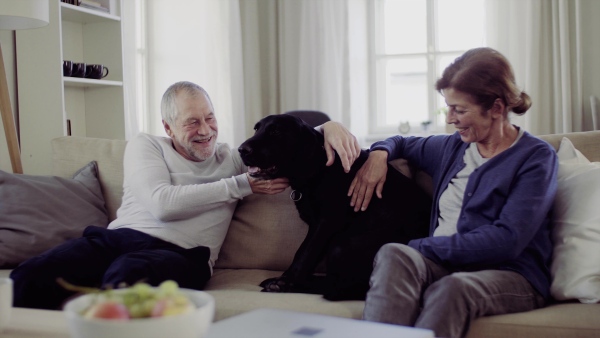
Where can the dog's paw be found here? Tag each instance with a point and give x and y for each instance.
(277, 284)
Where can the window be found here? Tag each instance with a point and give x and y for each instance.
(413, 42)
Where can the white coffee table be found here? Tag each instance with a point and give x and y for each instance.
(31, 323)
(263, 323)
(275, 323)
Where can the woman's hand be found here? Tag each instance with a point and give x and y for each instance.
(340, 140)
(371, 176)
(268, 187)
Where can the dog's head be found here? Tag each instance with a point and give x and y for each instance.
(282, 146)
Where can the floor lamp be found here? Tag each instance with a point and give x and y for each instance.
(17, 14)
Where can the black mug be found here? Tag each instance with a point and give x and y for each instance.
(67, 68)
(96, 71)
(79, 70)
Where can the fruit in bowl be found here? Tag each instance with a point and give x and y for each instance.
(139, 301)
(141, 311)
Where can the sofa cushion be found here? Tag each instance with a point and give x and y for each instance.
(69, 153)
(40, 212)
(265, 233)
(575, 268)
(556, 320)
(236, 291)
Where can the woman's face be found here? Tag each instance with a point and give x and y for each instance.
(472, 123)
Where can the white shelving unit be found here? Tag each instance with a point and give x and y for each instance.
(52, 105)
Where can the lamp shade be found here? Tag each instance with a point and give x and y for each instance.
(23, 14)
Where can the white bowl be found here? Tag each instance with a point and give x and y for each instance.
(193, 324)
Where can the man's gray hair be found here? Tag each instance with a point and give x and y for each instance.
(168, 108)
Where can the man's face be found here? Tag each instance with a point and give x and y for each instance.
(194, 132)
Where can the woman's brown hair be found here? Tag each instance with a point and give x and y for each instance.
(486, 75)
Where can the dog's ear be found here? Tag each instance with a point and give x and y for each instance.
(309, 155)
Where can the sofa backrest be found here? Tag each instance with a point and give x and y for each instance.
(265, 231)
(588, 142)
(70, 153)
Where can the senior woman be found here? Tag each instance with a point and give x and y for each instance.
(489, 246)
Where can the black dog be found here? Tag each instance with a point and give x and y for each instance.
(285, 146)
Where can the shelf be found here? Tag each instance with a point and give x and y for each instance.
(87, 83)
(94, 107)
(85, 15)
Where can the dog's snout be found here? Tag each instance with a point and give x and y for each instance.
(245, 150)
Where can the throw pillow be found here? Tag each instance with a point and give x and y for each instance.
(40, 212)
(575, 268)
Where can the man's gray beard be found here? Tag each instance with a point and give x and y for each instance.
(201, 155)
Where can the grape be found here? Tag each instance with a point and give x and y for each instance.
(168, 288)
(143, 290)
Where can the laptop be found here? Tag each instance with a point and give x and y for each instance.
(275, 323)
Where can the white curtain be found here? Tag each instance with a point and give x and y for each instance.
(192, 40)
(323, 59)
(261, 57)
(254, 57)
(543, 40)
(132, 66)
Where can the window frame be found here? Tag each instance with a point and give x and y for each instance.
(377, 75)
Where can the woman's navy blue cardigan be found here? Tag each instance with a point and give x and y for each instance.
(504, 222)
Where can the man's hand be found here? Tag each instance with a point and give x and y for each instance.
(369, 178)
(340, 140)
(267, 187)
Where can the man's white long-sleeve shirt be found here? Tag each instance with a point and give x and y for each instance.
(177, 200)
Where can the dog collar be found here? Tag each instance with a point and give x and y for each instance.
(295, 195)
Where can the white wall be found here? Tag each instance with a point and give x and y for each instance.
(8, 51)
